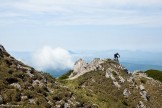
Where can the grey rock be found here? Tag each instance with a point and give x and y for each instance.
(32, 101)
(126, 92)
(49, 102)
(23, 67)
(132, 81)
(29, 73)
(23, 98)
(109, 75)
(66, 105)
(142, 87)
(144, 95)
(121, 79)
(38, 83)
(81, 67)
(16, 85)
(116, 84)
(141, 105)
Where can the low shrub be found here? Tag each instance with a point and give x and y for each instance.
(155, 74)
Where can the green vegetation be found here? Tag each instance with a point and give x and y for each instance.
(66, 75)
(95, 90)
(156, 74)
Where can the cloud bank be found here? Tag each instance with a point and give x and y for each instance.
(54, 59)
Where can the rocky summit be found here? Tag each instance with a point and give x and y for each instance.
(98, 84)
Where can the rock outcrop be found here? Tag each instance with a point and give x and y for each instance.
(81, 67)
(16, 85)
(141, 105)
(126, 92)
(135, 87)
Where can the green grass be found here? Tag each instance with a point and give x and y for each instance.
(155, 74)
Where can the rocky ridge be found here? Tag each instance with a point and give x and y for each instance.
(135, 86)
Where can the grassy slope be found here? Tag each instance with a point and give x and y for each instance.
(10, 74)
(94, 87)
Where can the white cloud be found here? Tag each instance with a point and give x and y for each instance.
(84, 12)
(49, 58)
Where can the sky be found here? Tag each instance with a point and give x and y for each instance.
(28, 25)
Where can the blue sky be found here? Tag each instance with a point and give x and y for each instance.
(27, 25)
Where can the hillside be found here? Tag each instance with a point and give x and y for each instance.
(99, 84)
(23, 86)
(107, 84)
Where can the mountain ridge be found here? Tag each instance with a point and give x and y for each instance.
(107, 76)
(98, 84)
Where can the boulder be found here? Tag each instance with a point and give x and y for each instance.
(66, 105)
(32, 101)
(141, 105)
(23, 98)
(81, 67)
(16, 85)
(144, 95)
(29, 73)
(109, 75)
(121, 79)
(116, 84)
(37, 83)
(142, 87)
(126, 92)
(49, 102)
(131, 80)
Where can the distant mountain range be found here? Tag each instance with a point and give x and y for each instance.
(143, 67)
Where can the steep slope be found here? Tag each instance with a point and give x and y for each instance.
(23, 86)
(107, 84)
